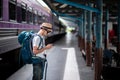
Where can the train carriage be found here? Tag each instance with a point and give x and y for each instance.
(16, 16)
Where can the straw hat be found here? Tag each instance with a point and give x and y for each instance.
(47, 25)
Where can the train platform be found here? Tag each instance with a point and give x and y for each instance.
(65, 62)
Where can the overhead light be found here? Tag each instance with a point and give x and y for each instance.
(70, 11)
(63, 11)
(63, 6)
(55, 4)
(76, 11)
(43, 4)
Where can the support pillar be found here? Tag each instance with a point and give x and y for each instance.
(118, 45)
(106, 30)
(79, 33)
(81, 37)
(94, 29)
(89, 38)
(84, 30)
(98, 52)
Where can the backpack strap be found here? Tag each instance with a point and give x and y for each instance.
(41, 41)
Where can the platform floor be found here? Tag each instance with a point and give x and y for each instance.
(65, 62)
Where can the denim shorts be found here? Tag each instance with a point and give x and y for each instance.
(38, 69)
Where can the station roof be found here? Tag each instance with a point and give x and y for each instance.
(75, 7)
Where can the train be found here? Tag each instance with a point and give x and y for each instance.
(17, 16)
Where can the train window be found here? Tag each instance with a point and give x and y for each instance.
(29, 15)
(1, 6)
(24, 12)
(39, 18)
(36, 20)
(12, 10)
(19, 13)
(13, 0)
(34, 16)
(44, 18)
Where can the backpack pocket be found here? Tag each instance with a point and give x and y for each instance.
(26, 56)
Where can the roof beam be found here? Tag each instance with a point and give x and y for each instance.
(78, 5)
(69, 8)
(66, 15)
(69, 19)
(50, 4)
(63, 6)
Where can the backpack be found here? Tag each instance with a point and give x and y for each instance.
(26, 53)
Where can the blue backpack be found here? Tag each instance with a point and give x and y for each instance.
(26, 53)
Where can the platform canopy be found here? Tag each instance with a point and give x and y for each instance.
(75, 7)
